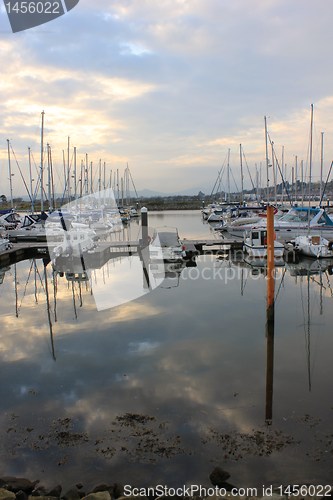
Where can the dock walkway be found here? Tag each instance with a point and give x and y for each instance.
(29, 249)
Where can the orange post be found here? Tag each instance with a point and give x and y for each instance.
(270, 256)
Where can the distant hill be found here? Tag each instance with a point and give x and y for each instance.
(148, 193)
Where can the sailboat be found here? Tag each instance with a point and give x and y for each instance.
(313, 245)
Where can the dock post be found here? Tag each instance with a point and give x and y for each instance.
(144, 226)
(143, 249)
(270, 316)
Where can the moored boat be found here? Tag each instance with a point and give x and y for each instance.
(315, 246)
(255, 243)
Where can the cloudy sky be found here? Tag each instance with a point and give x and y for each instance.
(170, 86)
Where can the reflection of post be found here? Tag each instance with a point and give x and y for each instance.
(270, 315)
(143, 247)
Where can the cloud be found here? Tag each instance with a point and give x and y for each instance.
(151, 82)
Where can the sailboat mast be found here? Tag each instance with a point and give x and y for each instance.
(311, 139)
(283, 174)
(10, 176)
(321, 163)
(228, 175)
(41, 163)
(75, 174)
(31, 179)
(267, 160)
(296, 177)
(242, 176)
(49, 184)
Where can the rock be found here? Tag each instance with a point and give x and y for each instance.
(38, 492)
(18, 483)
(21, 495)
(99, 495)
(43, 497)
(71, 494)
(101, 487)
(6, 495)
(55, 492)
(117, 490)
(218, 477)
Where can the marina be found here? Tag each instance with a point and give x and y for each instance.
(169, 381)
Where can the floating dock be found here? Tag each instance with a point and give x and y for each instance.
(112, 249)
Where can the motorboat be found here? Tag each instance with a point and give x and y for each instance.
(32, 228)
(75, 241)
(166, 245)
(298, 221)
(9, 219)
(255, 243)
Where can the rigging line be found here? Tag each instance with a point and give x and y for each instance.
(25, 288)
(220, 185)
(49, 313)
(281, 282)
(278, 165)
(55, 291)
(329, 283)
(306, 331)
(74, 303)
(40, 278)
(328, 175)
(247, 166)
(38, 178)
(216, 181)
(234, 181)
(219, 176)
(18, 166)
(133, 182)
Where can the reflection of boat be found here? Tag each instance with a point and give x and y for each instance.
(4, 244)
(2, 273)
(170, 273)
(314, 246)
(309, 266)
(255, 243)
(166, 246)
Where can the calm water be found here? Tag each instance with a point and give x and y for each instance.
(163, 388)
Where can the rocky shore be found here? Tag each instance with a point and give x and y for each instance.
(16, 488)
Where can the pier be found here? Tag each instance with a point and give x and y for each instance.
(113, 249)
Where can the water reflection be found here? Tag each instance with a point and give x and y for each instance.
(172, 383)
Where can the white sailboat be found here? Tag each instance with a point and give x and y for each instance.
(314, 246)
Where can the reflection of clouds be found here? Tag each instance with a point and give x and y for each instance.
(126, 283)
(176, 356)
(144, 347)
(24, 336)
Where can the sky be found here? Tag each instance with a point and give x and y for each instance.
(168, 88)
